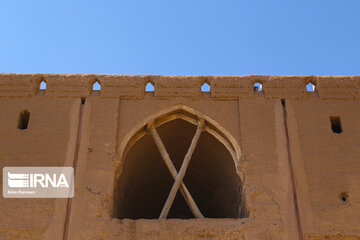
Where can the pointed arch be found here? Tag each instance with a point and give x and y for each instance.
(188, 114)
(205, 87)
(42, 85)
(96, 86)
(213, 187)
(310, 87)
(149, 87)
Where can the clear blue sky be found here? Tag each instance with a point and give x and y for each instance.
(173, 37)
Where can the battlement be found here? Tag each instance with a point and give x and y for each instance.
(222, 87)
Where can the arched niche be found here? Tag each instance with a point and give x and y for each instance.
(212, 179)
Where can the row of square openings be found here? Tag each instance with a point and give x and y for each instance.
(310, 87)
(24, 118)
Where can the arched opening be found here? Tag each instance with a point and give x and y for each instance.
(96, 86)
(211, 178)
(149, 87)
(310, 87)
(205, 87)
(42, 85)
(257, 87)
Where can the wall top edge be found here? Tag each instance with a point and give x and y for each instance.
(222, 86)
(127, 76)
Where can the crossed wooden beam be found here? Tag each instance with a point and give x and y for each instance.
(178, 176)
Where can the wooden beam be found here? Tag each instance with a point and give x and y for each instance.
(181, 174)
(183, 189)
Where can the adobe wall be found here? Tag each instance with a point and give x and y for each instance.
(293, 166)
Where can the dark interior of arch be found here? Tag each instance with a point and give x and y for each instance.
(145, 182)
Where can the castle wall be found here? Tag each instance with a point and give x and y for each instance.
(295, 170)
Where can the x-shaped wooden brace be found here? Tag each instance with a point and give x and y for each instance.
(178, 177)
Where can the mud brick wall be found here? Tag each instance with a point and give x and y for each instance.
(300, 180)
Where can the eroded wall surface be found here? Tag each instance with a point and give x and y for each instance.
(295, 169)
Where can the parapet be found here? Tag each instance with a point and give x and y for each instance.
(222, 87)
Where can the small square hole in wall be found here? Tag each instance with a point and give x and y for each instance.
(23, 120)
(336, 125)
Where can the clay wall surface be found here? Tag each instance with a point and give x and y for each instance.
(294, 169)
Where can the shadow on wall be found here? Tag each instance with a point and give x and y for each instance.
(211, 178)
